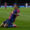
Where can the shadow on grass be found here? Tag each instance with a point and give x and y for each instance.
(11, 27)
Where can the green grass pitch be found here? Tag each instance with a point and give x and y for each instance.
(22, 21)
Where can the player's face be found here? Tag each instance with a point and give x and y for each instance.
(15, 7)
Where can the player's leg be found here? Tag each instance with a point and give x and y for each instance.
(11, 25)
(14, 25)
(7, 23)
(2, 24)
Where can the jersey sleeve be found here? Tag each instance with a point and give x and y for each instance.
(18, 10)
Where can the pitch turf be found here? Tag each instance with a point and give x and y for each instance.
(23, 21)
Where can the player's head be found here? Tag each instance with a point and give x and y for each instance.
(16, 6)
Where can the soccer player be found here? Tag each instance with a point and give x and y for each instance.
(5, 5)
(9, 22)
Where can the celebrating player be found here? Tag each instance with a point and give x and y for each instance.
(5, 5)
(9, 22)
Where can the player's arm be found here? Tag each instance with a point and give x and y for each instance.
(18, 11)
(16, 14)
(10, 15)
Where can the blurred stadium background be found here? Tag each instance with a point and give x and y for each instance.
(11, 2)
(23, 21)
